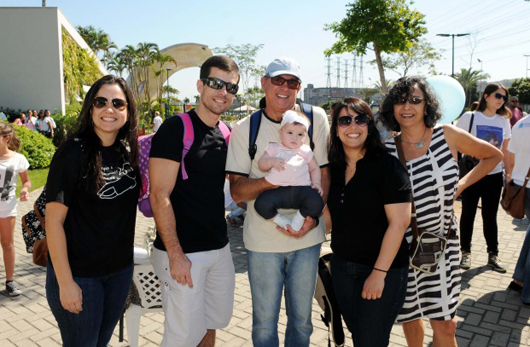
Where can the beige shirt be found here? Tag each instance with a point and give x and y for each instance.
(259, 234)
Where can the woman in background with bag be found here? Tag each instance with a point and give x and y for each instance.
(369, 201)
(12, 164)
(92, 191)
(491, 124)
(518, 170)
(430, 153)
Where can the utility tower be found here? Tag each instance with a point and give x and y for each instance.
(354, 76)
(338, 73)
(346, 73)
(361, 78)
(328, 83)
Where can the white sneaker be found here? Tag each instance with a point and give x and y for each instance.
(298, 221)
(281, 220)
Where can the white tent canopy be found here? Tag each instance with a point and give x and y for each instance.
(244, 108)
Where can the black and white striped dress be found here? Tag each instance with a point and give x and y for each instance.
(434, 178)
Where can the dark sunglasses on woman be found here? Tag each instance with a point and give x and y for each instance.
(500, 96)
(361, 120)
(414, 100)
(291, 84)
(216, 83)
(100, 102)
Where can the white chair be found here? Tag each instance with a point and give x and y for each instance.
(149, 291)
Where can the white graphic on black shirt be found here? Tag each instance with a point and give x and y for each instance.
(8, 186)
(117, 181)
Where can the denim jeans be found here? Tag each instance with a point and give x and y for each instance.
(369, 321)
(303, 198)
(103, 304)
(522, 268)
(235, 211)
(268, 274)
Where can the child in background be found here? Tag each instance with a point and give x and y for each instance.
(237, 210)
(291, 166)
(11, 165)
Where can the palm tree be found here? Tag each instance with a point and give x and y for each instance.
(97, 40)
(469, 79)
(114, 62)
(146, 54)
(160, 72)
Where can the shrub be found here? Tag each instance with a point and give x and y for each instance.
(65, 125)
(37, 148)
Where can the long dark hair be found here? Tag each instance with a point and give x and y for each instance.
(373, 144)
(127, 135)
(404, 88)
(489, 90)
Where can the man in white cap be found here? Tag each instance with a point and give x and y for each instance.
(278, 257)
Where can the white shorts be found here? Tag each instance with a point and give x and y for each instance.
(8, 208)
(208, 305)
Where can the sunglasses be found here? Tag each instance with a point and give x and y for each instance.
(500, 96)
(413, 100)
(361, 120)
(291, 84)
(216, 83)
(100, 102)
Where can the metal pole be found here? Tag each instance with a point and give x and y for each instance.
(526, 55)
(453, 64)
(167, 103)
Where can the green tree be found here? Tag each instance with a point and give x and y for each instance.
(245, 57)
(97, 39)
(469, 79)
(420, 54)
(254, 94)
(387, 25)
(521, 88)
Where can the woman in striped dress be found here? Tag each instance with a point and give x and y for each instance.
(411, 107)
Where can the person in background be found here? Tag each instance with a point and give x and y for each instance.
(369, 200)
(490, 124)
(12, 165)
(412, 108)
(518, 162)
(20, 119)
(30, 121)
(517, 112)
(52, 121)
(92, 194)
(44, 125)
(157, 121)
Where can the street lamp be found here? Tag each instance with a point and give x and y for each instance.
(480, 61)
(526, 55)
(453, 36)
(167, 103)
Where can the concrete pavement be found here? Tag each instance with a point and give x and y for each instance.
(488, 315)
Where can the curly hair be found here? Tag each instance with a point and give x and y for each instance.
(404, 88)
(489, 90)
(127, 135)
(373, 144)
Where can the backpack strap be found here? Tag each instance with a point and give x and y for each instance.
(225, 130)
(471, 122)
(308, 110)
(255, 121)
(187, 140)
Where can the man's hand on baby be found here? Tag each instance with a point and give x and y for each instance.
(318, 188)
(278, 164)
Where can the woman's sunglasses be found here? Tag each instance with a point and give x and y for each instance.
(414, 100)
(500, 96)
(361, 120)
(100, 102)
(216, 83)
(291, 84)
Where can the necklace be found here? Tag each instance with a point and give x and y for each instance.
(419, 144)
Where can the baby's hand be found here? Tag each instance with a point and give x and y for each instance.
(278, 164)
(318, 188)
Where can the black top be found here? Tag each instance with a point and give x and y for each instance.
(198, 202)
(99, 226)
(357, 208)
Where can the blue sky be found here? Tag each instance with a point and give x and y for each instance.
(295, 28)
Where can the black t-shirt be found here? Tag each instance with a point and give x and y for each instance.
(198, 202)
(99, 226)
(357, 208)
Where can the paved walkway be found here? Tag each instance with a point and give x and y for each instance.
(488, 315)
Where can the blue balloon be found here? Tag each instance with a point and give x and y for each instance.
(451, 97)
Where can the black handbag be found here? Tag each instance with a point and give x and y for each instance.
(427, 248)
(34, 230)
(466, 162)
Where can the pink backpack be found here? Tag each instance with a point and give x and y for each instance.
(144, 144)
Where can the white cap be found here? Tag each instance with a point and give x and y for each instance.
(292, 117)
(283, 66)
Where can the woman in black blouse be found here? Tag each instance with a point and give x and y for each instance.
(369, 202)
(92, 191)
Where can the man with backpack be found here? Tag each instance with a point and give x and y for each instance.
(278, 258)
(191, 253)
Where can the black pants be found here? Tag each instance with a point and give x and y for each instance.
(303, 198)
(489, 189)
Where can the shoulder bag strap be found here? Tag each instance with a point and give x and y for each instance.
(308, 110)
(187, 140)
(471, 122)
(255, 120)
(225, 131)
(401, 155)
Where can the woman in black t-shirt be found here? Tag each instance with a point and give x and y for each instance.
(92, 191)
(369, 202)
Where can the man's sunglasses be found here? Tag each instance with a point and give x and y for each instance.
(291, 84)
(413, 100)
(100, 102)
(500, 96)
(216, 83)
(361, 120)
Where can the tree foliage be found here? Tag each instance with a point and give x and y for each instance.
(469, 79)
(97, 39)
(420, 54)
(521, 88)
(387, 25)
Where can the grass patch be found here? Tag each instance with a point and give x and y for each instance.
(37, 177)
